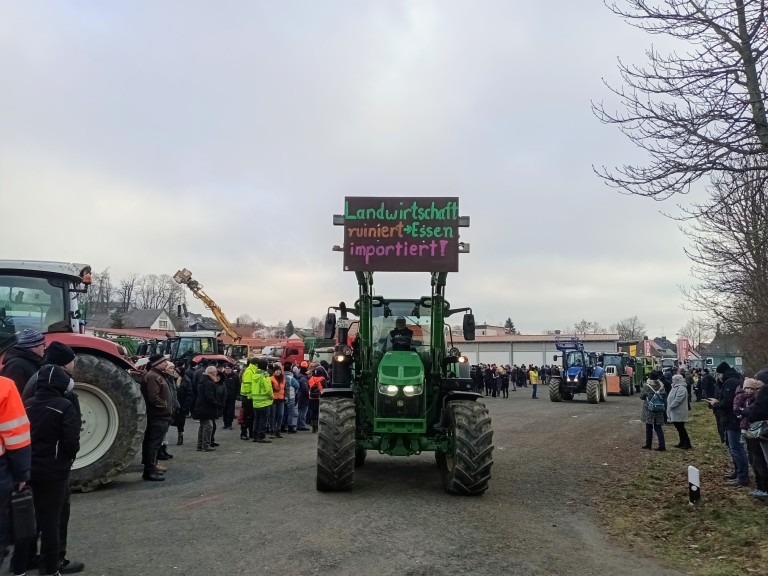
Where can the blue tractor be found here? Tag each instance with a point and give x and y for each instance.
(581, 374)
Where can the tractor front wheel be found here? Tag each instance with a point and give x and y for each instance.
(554, 390)
(603, 389)
(336, 454)
(466, 468)
(625, 385)
(593, 391)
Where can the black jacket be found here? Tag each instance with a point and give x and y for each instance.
(54, 426)
(759, 409)
(727, 392)
(31, 389)
(20, 365)
(302, 396)
(206, 407)
(232, 383)
(184, 392)
(707, 386)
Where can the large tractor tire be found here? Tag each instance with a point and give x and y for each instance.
(113, 422)
(336, 454)
(603, 389)
(593, 391)
(625, 385)
(554, 390)
(466, 469)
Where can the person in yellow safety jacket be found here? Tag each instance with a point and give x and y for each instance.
(261, 396)
(534, 376)
(246, 383)
(15, 454)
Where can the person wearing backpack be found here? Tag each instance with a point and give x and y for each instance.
(652, 416)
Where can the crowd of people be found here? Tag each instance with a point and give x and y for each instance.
(274, 400)
(495, 381)
(737, 403)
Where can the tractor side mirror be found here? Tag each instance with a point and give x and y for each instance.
(330, 326)
(469, 327)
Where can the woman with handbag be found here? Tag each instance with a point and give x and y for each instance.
(756, 416)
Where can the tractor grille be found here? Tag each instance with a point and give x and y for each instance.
(400, 406)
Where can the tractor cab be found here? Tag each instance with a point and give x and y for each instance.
(42, 296)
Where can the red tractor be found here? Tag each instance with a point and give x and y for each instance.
(44, 296)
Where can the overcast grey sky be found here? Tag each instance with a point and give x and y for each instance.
(223, 136)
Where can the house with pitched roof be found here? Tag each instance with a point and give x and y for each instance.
(137, 318)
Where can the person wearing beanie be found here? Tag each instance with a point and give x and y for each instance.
(24, 359)
(57, 354)
(728, 422)
(55, 436)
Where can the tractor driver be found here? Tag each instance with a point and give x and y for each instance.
(401, 337)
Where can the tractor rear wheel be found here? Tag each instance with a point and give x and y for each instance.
(603, 389)
(336, 445)
(593, 391)
(625, 385)
(554, 390)
(113, 420)
(466, 468)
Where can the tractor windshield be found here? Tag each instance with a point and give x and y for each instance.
(575, 359)
(612, 360)
(417, 321)
(27, 302)
(192, 346)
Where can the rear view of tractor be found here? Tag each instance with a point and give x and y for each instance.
(580, 374)
(400, 387)
(44, 296)
(619, 372)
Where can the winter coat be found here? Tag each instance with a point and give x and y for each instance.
(291, 387)
(278, 387)
(174, 392)
(677, 403)
(184, 393)
(249, 375)
(206, 406)
(54, 426)
(732, 381)
(261, 390)
(20, 364)
(649, 388)
(302, 396)
(232, 383)
(741, 404)
(708, 386)
(157, 395)
(758, 410)
(221, 395)
(31, 388)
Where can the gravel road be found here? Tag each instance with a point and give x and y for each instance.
(253, 509)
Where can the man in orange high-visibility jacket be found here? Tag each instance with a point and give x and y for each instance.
(15, 454)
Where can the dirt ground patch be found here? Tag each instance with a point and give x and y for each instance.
(726, 534)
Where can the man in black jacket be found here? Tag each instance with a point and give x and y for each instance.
(206, 408)
(232, 385)
(722, 405)
(25, 358)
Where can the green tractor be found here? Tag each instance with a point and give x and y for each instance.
(402, 397)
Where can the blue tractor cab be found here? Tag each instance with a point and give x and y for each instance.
(580, 374)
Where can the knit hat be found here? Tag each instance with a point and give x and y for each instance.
(59, 354)
(722, 367)
(762, 375)
(30, 339)
(155, 359)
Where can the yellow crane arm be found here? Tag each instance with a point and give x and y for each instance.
(185, 277)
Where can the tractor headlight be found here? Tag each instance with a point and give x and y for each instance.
(389, 390)
(412, 390)
(340, 358)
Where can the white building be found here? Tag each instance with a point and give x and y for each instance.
(527, 349)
